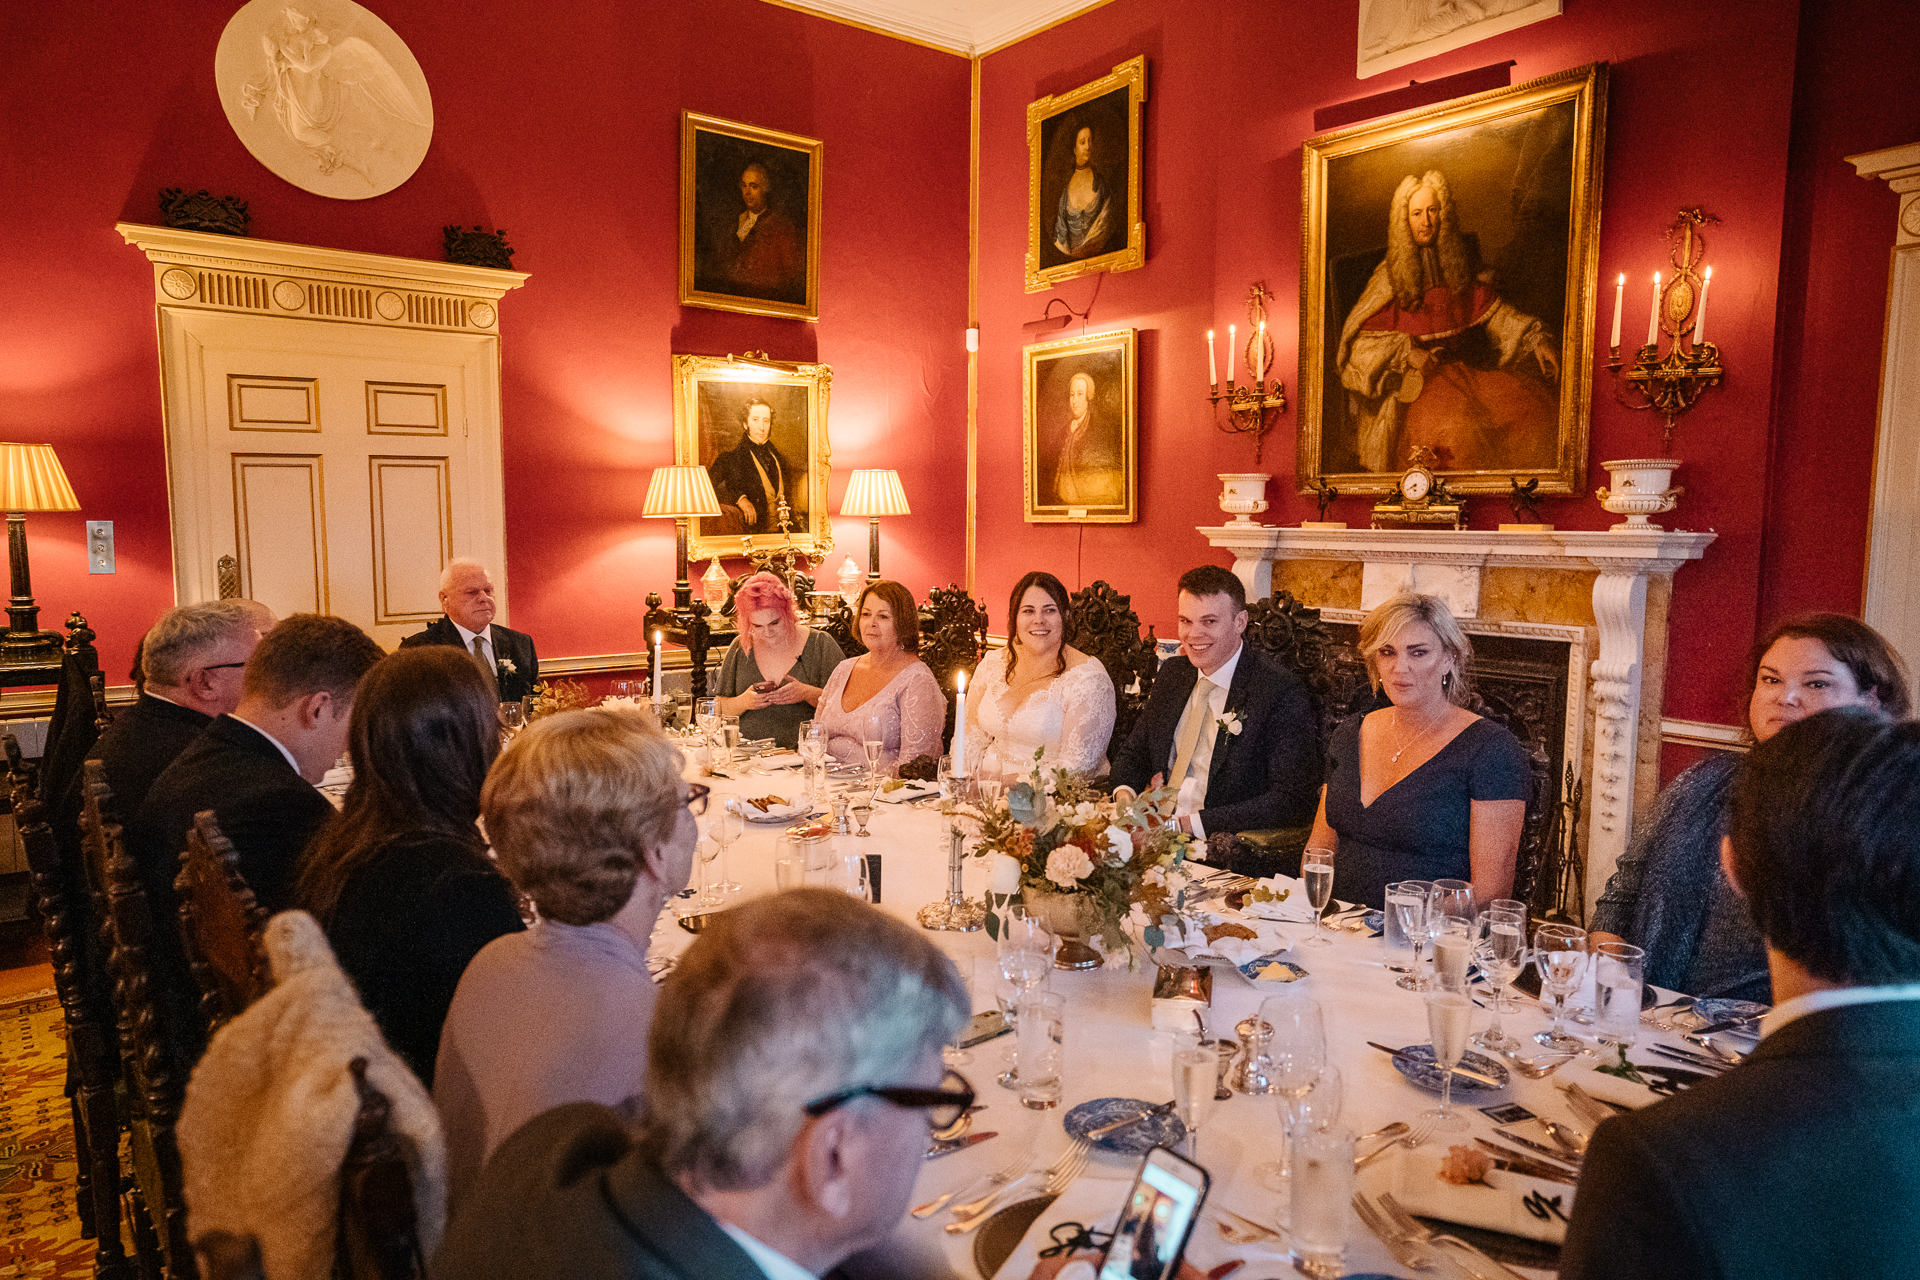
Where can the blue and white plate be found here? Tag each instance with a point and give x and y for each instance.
(1256, 970)
(1136, 1139)
(1415, 1062)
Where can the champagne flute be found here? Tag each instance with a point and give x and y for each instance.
(1501, 945)
(1449, 1020)
(1194, 1072)
(706, 719)
(1452, 951)
(1560, 953)
(727, 828)
(1316, 871)
(1297, 1054)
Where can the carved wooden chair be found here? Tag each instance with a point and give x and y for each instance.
(838, 623)
(79, 712)
(87, 1004)
(220, 924)
(953, 638)
(1106, 627)
(150, 1056)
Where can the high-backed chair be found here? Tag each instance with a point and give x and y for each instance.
(150, 1054)
(220, 924)
(79, 712)
(953, 638)
(1106, 627)
(87, 1003)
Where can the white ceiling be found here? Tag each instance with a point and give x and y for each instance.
(964, 26)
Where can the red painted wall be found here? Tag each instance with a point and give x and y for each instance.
(560, 123)
(1701, 112)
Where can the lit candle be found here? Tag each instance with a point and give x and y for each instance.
(1260, 354)
(1619, 294)
(959, 749)
(1213, 369)
(1700, 316)
(658, 692)
(1653, 317)
(1230, 346)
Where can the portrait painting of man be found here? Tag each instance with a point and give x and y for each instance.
(1085, 193)
(1080, 429)
(761, 435)
(1447, 291)
(750, 204)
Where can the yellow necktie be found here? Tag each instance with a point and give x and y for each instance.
(1196, 718)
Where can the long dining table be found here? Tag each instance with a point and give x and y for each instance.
(1112, 1050)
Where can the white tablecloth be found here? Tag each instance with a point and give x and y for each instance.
(1111, 1049)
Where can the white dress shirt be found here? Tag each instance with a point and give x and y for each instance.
(1193, 791)
(484, 636)
(275, 741)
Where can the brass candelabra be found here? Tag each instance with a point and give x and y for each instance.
(1670, 384)
(1248, 406)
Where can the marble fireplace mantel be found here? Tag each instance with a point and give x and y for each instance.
(1458, 564)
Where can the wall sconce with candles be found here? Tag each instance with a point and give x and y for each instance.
(30, 480)
(1248, 406)
(873, 494)
(1671, 384)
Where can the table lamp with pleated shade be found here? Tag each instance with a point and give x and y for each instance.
(30, 480)
(874, 494)
(682, 493)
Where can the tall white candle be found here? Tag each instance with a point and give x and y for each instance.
(959, 748)
(1231, 342)
(1619, 295)
(1653, 316)
(1700, 316)
(658, 692)
(1260, 354)
(1213, 369)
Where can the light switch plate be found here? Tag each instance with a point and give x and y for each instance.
(99, 546)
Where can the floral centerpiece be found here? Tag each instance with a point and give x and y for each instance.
(550, 696)
(1092, 861)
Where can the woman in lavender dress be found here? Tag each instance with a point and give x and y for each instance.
(887, 693)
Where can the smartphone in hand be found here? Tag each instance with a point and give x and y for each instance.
(1157, 1218)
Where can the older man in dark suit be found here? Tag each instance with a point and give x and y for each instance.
(1805, 1159)
(504, 656)
(1224, 724)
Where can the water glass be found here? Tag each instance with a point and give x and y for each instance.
(1042, 1049)
(1410, 913)
(1403, 893)
(1316, 872)
(1322, 1190)
(513, 718)
(1500, 949)
(1452, 952)
(1619, 968)
(1195, 1068)
(1296, 1050)
(727, 828)
(850, 876)
(1560, 953)
(789, 864)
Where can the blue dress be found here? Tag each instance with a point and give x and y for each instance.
(1418, 828)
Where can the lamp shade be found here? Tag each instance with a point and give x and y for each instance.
(874, 493)
(31, 480)
(681, 491)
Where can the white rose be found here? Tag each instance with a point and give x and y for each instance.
(1067, 865)
(1120, 840)
(1003, 874)
(1086, 811)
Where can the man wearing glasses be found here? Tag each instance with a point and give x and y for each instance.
(793, 1077)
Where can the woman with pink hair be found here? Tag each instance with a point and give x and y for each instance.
(773, 671)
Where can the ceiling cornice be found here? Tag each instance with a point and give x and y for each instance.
(969, 28)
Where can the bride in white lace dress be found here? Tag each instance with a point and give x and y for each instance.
(1042, 696)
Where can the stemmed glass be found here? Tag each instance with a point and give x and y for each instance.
(1500, 949)
(621, 691)
(1316, 871)
(1410, 912)
(727, 828)
(1297, 1051)
(513, 718)
(1449, 903)
(1449, 1019)
(851, 878)
(1026, 960)
(1560, 953)
(708, 849)
(813, 750)
(706, 718)
(862, 808)
(1194, 1071)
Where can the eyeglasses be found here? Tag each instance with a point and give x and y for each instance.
(222, 666)
(697, 798)
(944, 1105)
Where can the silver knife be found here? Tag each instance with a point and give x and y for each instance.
(1514, 1162)
(1565, 1157)
(937, 1149)
(1105, 1129)
(1465, 1073)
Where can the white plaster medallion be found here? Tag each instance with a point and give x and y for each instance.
(481, 314)
(324, 94)
(389, 304)
(178, 283)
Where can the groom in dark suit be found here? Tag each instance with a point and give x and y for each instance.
(1805, 1159)
(504, 656)
(1242, 750)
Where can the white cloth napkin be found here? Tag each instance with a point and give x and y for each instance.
(1095, 1203)
(912, 791)
(1499, 1205)
(753, 813)
(1295, 907)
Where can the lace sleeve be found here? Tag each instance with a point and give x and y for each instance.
(923, 714)
(842, 742)
(1086, 702)
(977, 735)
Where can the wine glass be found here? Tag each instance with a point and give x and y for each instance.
(1499, 949)
(850, 877)
(1560, 953)
(1411, 914)
(1449, 1020)
(1452, 953)
(620, 691)
(1026, 959)
(1297, 1054)
(513, 718)
(1316, 871)
(708, 849)
(1447, 900)
(812, 744)
(727, 828)
(1194, 1072)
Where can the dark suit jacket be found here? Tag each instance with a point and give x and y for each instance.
(566, 1196)
(137, 748)
(1803, 1161)
(509, 646)
(1266, 776)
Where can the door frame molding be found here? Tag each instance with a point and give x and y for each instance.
(268, 279)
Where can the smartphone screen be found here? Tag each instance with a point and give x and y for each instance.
(1156, 1220)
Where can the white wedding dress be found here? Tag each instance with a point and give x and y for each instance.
(1068, 722)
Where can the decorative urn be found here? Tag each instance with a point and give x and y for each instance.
(1639, 489)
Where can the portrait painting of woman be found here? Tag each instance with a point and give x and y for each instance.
(1084, 194)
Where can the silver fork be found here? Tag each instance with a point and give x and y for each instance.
(1069, 1166)
(1064, 1170)
(1407, 1252)
(1421, 1131)
(1419, 1232)
(998, 1178)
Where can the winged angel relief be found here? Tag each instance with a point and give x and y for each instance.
(339, 99)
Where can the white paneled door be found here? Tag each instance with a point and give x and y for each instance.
(340, 465)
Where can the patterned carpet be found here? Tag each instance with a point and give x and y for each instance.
(39, 1228)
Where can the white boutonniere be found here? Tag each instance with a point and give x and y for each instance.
(507, 668)
(1230, 722)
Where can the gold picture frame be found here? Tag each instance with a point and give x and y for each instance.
(767, 264)
(716, 402)
(1489, 363)
(1077, 223)
(1080, 430)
